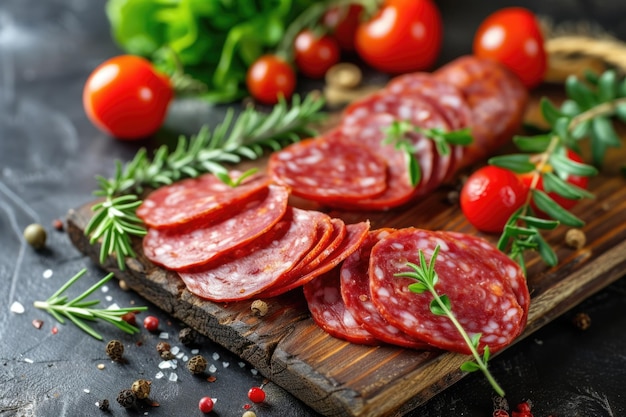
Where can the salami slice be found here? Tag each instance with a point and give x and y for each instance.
(180, 250)
(355, 235)
(201, 197)
(323, 171)
(249, 270)
(327, 309)
(497, 99)
(355, 291)
(482, 302)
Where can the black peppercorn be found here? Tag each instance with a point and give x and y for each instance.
(197, 364)
(115, 350)
(126, 398)
(187, 336)
(103, 405)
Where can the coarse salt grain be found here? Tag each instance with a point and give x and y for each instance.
(185, 358)
(17, 308)
(47, 273)
(212, 368)
(104, 288)
(113, 306)
(108, 298)
(180, 355)
(159, 375)
(195, 351)
(28, 360)
(165, 365)
(241, 364)
(173, 377)
(216, 356)
(164, 335)
(254, 371)
(225, 364)
(175, 350)
(86, 391)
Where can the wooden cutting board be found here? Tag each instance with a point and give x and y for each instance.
(339, 378)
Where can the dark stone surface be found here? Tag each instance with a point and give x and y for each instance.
(49, 155)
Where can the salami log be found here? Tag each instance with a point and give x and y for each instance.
(355, 291)
(178, 250)
(482, 302)
(201, 197)
(249, 270)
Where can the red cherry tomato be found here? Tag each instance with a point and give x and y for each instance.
(314, 55)
(206, 404)
(576, 180)
(270, 77)
(343, 23)
(512, 37)
(126, 98)
(490, 196)
(256, 394)
(404, 36)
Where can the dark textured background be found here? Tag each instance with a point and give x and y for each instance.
(49, 155)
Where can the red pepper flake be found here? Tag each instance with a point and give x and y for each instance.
(130, 318)
(37, 324)
(57, 224)
(139, 343)
(247, 406)
(153, 403)
(55, 330)
(211, 379)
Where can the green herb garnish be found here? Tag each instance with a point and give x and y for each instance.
(586, 113)
(247, 136)
(426, 278)
(396, 135)
(77, 310)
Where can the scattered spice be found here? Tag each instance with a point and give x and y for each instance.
(57, 224)
(100, 366)
(141, 388)
(259, 308)
(126, 398)
(582, 321)
(54, 330)
(17, 308)
(130, 318)
(163, 347)
(256, 394)
(197, 364)
(37, 324)
(151, 323)
(249, 414)
(115, 350)
(575, 238)
(35, 235)
(187, 336)
(211, 378)
(123, 285)
(167, 355)
(103, 405)
(206, 404)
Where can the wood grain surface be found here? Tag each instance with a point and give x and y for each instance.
(337, 378)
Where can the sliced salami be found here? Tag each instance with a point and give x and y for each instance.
(327, 309)
(192, 200)
(323, 171)
(355, 291)
(482, 302)
(250, 270)
(497, 99)
(355, 235)
(180, 250)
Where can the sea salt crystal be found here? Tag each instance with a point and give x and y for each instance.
(108, 298)
(173, 377)
(113, 306)
(225, 364)
(17, 308)
(165, 365)
(254, 371)
(175, 350)
(164, 335)
(180, 355)
(86, 391)
(212, 368)
(47, 273)
(105, 288)
(28, 360)
(195, 351)
(185, 358)
(159, 375)
(241, 364)
(216, 356)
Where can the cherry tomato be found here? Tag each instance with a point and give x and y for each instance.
(576, 180)
(314, 55)
(490, 196)
(126, 98)
(256, 394)
(270, 77)
(404, 36)
(206, 404)
(343, 23)
(151, 323)
(512, 37)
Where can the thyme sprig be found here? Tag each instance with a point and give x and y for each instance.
(77, 310)
(426, 278)
(246, 136)
(397, 135)
(585, 114)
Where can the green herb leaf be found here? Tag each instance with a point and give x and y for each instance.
(519, 163)
(417, 287)
(554, 210)
(549, 112)
(545, 224)
(532, 144)
(437, 309)
(545, 251)
(469, 366)
(607, 86)
(553, 183)
(579, 92)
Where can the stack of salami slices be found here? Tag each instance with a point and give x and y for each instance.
(232, 243)
(353, 167)
(366, 302)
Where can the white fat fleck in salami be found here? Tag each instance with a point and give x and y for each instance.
(193, 200)
(183, 249)
(323, 170)
(355, 291)
(254, 268)
(479, 297)
(327, 309)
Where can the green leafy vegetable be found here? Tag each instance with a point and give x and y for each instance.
(426, 278)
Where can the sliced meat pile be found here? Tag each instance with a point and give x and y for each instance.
(230, 244)
(367, 301)
(346, 167)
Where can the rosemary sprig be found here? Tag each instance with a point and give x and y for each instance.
(247, 136)
(426, 278)
(585, 114)
(396, 135)
(77, 310)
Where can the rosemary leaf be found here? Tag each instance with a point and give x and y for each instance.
(552, 209)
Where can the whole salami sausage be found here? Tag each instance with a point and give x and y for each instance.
(482, 302)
